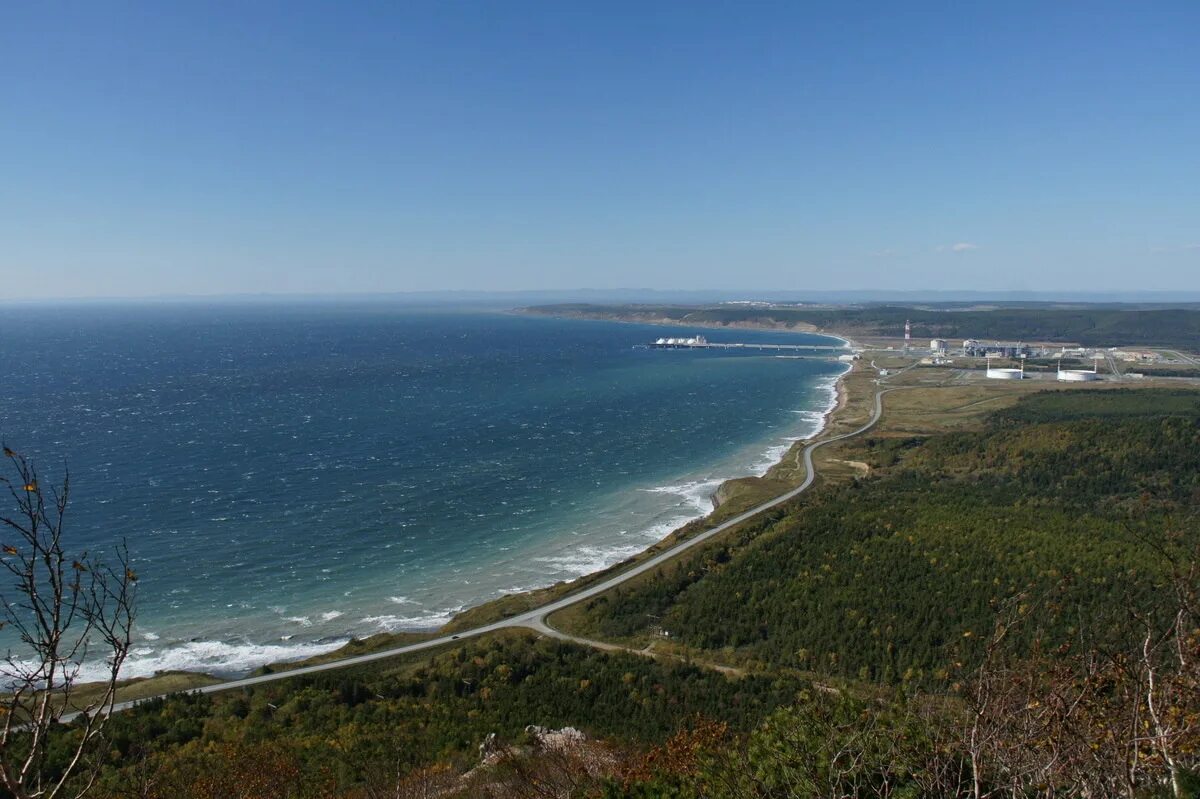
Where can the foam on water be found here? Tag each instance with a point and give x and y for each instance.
(587, 559)
(661, 530)
(696, 494)
(220, 658)
(771, 456)
(425, 621)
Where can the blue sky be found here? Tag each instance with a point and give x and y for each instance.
(175, 148)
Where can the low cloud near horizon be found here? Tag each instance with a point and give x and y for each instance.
(958, 246)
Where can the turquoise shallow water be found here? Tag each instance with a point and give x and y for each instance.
(290, 475)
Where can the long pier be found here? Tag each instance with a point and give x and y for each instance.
(703, 344)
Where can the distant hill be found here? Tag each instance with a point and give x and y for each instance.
(1089, 325)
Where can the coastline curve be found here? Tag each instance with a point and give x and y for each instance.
(536, 619)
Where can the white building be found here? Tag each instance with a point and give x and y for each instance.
(1079, 375)
(1076, 376)
(1007, 373)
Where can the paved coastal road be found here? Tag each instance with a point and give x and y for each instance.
(536, 619)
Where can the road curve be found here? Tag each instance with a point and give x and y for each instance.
(536, 619)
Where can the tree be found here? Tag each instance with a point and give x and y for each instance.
(66, 611)
(1164, 664)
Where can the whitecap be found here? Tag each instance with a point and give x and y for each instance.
(221, 658)
(663, 529)
(588, 559)
(695, 493)
(431, 620)
(521, 589)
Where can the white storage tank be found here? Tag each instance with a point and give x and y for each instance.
(1077, 376)
(1005, 373)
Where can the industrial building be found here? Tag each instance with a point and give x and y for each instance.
(995, 349)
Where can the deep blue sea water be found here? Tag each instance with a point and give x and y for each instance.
(290, 475)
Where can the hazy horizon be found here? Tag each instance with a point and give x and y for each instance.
(514, 298)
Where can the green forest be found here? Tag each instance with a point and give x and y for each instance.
(1003, 611)
(330, 733)
(888, 578)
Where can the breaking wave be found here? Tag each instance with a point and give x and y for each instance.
(220, 658)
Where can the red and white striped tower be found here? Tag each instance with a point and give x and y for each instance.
(907, 335)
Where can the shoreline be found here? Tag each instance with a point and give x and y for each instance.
(775, 451)
(533, 619)
(756, 460)
(835, 390)
(772, 457)
(837, 402)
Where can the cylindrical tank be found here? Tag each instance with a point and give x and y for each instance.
(1005, 374)
(1076, 376)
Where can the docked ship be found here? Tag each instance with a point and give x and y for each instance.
(677, 343)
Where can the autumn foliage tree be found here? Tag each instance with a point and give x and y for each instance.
(64, 612)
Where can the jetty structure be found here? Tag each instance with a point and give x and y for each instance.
(702, 343)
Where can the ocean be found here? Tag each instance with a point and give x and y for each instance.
(290, 475)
